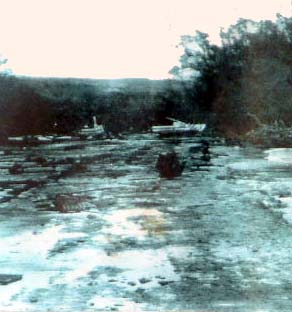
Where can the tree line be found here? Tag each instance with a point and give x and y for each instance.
(236, 86)
(244, 82)
(62, 106)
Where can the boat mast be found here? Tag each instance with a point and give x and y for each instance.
(94, 122)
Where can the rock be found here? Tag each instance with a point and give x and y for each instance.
(76, 168)
(66, 203)
(144, 280)
(34, 183)
(41, 161)
(79, 167)
(164, 283)
(202, 148)
(64, 161)
(74, 147)
(195, 149)
(160, 277)
(206, 157)
(6, 279)
(16, 169)
(205, 147)
(169, 165)
(64, 245)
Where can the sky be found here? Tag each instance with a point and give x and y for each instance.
(114, 38)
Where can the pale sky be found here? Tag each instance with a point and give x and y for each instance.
(113, 38)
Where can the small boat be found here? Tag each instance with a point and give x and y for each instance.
(16, 139)
(30, 139)
(96, 130)
(179, 128)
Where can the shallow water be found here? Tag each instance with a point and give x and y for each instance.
(218, 238)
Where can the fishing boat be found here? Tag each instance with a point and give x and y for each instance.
(179, 128)
(96, 130)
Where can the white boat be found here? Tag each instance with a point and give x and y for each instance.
(16, 139)
(30, 139)
(179, 127)
(96, 130)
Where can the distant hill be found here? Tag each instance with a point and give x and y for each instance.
(37, 105)
(132, 85)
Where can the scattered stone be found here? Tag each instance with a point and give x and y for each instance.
(164, 283)
(205, 151)
(169, 165)
(160, 277)
(33, 300)
(16, 169)
(64, 245)
(195, 149)
(203, 160)
(6, 279)
(206, 157)
(75, 169)
(201, 147)
(34, 183)
(202, 241)
(65, 161)
(132, 283)
(69, 203)
(74, 147)
(144, 280)
(41, 161)
(205, 146)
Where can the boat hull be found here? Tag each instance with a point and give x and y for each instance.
(192, 129)
(98, 130)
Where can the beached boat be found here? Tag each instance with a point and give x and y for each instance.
(96, 130)
(30, 139)
(179, 128)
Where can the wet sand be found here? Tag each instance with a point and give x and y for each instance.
(217, 238)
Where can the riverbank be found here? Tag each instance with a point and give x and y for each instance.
(268, 136)
(213, 238)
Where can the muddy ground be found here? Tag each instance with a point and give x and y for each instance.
(91, 226)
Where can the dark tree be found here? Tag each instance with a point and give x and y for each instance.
(245, 81)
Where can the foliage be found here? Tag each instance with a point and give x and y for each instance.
(42, 106)
(245, 81)
(22, 110)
